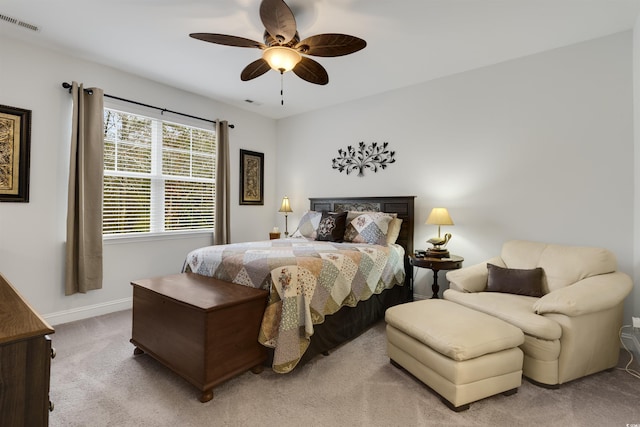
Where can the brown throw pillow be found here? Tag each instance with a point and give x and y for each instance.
(331, 227)
(515, 281)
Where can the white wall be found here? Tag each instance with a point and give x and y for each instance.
(32, 235)
(536, 148)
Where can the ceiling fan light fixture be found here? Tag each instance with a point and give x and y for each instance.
(281, 58)
(283, 50)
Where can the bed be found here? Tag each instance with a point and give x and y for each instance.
(321, 292)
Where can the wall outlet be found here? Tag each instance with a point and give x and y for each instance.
(636, 322)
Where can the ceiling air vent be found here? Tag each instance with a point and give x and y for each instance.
(18, 22)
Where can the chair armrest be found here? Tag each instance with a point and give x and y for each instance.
(472, 278)
(590, 295)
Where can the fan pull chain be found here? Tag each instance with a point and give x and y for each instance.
(281, 87)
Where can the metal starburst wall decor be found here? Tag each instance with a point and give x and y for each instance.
(372, 157)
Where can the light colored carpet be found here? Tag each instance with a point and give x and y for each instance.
(96, 381)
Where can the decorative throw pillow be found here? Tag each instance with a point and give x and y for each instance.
(350, 232)
(308, 225)
(370, 227)
(331, 227)
(515, 281)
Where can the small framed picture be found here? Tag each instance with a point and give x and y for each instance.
(251, 178)
(15, 146)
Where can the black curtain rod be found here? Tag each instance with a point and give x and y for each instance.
(162, 110)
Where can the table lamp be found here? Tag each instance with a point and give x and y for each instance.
(439, 216)
(286, 209)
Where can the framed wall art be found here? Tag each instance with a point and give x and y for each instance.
(15, 146)
(251, 178)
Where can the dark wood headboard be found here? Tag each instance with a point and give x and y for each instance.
(403, 206)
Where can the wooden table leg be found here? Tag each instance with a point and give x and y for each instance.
(435, 288)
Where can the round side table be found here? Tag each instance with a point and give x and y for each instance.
(436, 264)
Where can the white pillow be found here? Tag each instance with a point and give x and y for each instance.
(394, 230)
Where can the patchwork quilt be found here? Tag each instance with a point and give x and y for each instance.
(306, 279)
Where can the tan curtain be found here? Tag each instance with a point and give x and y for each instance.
(222, 231)
(84, 211)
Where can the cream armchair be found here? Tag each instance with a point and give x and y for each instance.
(571, 330)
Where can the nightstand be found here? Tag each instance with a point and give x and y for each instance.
(273, 235)
(436, 264)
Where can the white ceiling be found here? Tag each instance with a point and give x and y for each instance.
(408, 41)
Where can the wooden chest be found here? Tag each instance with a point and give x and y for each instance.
(204, 329)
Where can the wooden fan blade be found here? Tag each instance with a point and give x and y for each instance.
(309, 70)
(227, 40)
(330, 45)
(255, 69)
(278, 20)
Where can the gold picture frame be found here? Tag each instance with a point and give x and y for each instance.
(251, 178)
(15, 146)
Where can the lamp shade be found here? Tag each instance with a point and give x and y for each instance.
(281, 58)
(285, 207)
(439, 216)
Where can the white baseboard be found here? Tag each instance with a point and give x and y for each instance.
(85, 312)
(418, 297)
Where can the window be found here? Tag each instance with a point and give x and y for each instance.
(159, 176)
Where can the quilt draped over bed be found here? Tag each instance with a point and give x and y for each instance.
(306, 279)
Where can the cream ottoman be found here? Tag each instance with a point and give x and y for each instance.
(462, 354)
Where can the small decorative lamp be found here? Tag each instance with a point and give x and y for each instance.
(439, 216)
(286, 208)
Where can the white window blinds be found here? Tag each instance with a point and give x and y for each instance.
(158, 176)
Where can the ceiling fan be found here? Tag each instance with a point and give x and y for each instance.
(282, 48)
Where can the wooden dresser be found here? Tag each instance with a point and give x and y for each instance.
(25, 362)
(203, 329)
